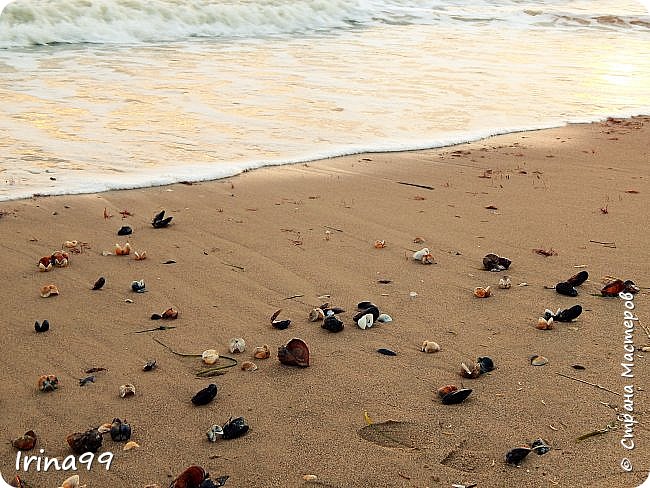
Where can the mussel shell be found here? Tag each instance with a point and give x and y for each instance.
(43, 327)
(364, 305)
(206, 395)
(101, 281)
(490, 261)
(316, 314)
(486, 364)
(159, 224)
(578, 278)
(517, 455)
(564, 288)
(120, 430)
(568, 314)
(138, 286)
(332, 323)
(89, 441)
(210, 483)
(295, 353)
(125, 231)
(373, 310)
(149, 365)
(25, 442)
(156, 316)
(192, 477)
(386, 352)
(159, 216)
(456, 396)
(613, 288)
(504, 262)
(540, 447)
(234, 428)
(281, 324)
(631, 287)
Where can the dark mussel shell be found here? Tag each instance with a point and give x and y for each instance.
(493, 262)
(25, 442)
(365, 305)
(159, 216)
(206, 395)
(568, 314)
(156, 316)
(456, 396)
(386, 352)
(373, 310)
(332, 310)
(295, 353)
(234, 428)
(281, 324)
(89, 441)
(159, 224)
(138, 286)
(548, 315)
(485, 363)
(125, 231)
(504, 262)
(332, 323)
(210, 483)
(192, 477)
(578, 279)
(149, 365)
(517, 455)
(44, 327)
(564, 288)
(613, 288)
(631, 287)
(120, 430)
(99, 283)
(540, 447)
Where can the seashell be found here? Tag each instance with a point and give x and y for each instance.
(485, 363)
(578, 278)
(210, 356)
(122, 250)
(89, 441)
(568, 314)
(234, 428)
(493, 262)
(365, 321)
(60, 259)
(104, 428)
(45, 263)
(71, 482)
(630, 287)
(262, 352)
(384, 318)
(564, 288)
(138, 286)
(364, 305)
(545, 324)
(248, 366)
(130, 445)
(537, 360)
(120, 430)
(505, 283)
(294, 353)
(430, 346)
(25, 442)
(48, 382)
(413, 294)
(380, 244)
(613, 288)
(213, 433)
(421, 254)
(281, 324)
(456, 396)
(332, 323)
(386, 352)
(169, 314)
(44, 327)
(70, 244)
(470, 372)
(49, 290)
(149, 365)
(127, 390)
(316, 314)
(332, 310)
(517, 455)
(86, 380)
(159, 221)
(418, 240)
(237, 345)
(190, 478)
(372, 310)
(101, 281)
(206, 395)
(139, 255)
(540, 447)
(444, 390)
(125, 230)
(310, 477)
(155, 316)
(482, 292)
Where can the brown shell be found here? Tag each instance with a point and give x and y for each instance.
(25, 442)
(48, 382)
(45, 263)
(49, 290)
(470, 371)
(81, 442)
(262, 352)
(445, 390)
(190, 478)
(170, 313)
(295, 353)
(543, 324)
(613, 288)
(481, 292)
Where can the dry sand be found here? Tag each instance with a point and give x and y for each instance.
(244, 245)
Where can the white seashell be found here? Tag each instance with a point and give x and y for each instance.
(310, 477)
(237, 345)
(71, 482)
(430, 346)
(71, 244)
(210, 356)
(505, 283)
(316, 314)
(213, 432)
(413, 294)
(366, 321)
(130, 445)
(384, 318)
(127, 390)
(418, 255)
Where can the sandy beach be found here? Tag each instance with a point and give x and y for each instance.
(293, 237)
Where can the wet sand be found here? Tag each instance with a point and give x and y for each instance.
(286, 237)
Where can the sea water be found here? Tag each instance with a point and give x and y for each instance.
(109, 94)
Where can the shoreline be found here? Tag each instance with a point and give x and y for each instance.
(285, 237)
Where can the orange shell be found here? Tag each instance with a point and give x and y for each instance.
(139, 256)
(170, 313)
(481, 292)
(380, 244)
(60, 258)
(45, 263)
(262, 352)
(122, 250)
(543, 324)
(445, 390)
(49, 290)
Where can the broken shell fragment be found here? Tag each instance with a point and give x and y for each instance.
(122, 250)
(71, 482)
(130, 445)
(316, 314)
(214, 432)
(294, 353)
(430, 346)
(206, 395)
(384, 318)
(48, 382)
(545, 324)
(210, 356)
(281, 324)
(538, 360)
(517, 455)
(248, 366)
(89, 441)
(540, 447)
(386, 352)
(482, 292)
(472, 371)
(104, 428)
(49, 290)
(120, 430)
(365, 305)
(505, 283)
(138, 286)
(25, 442)
(139, 255)
(310, 477)
(127, 390)
(101, 281)
(71, 244)
(149, 365)
(332, 323)
(262, 352)
(424, 256)
(380, 244)
(237, 345)
(365, 321)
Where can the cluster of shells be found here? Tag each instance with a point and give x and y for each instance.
(59, 259)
